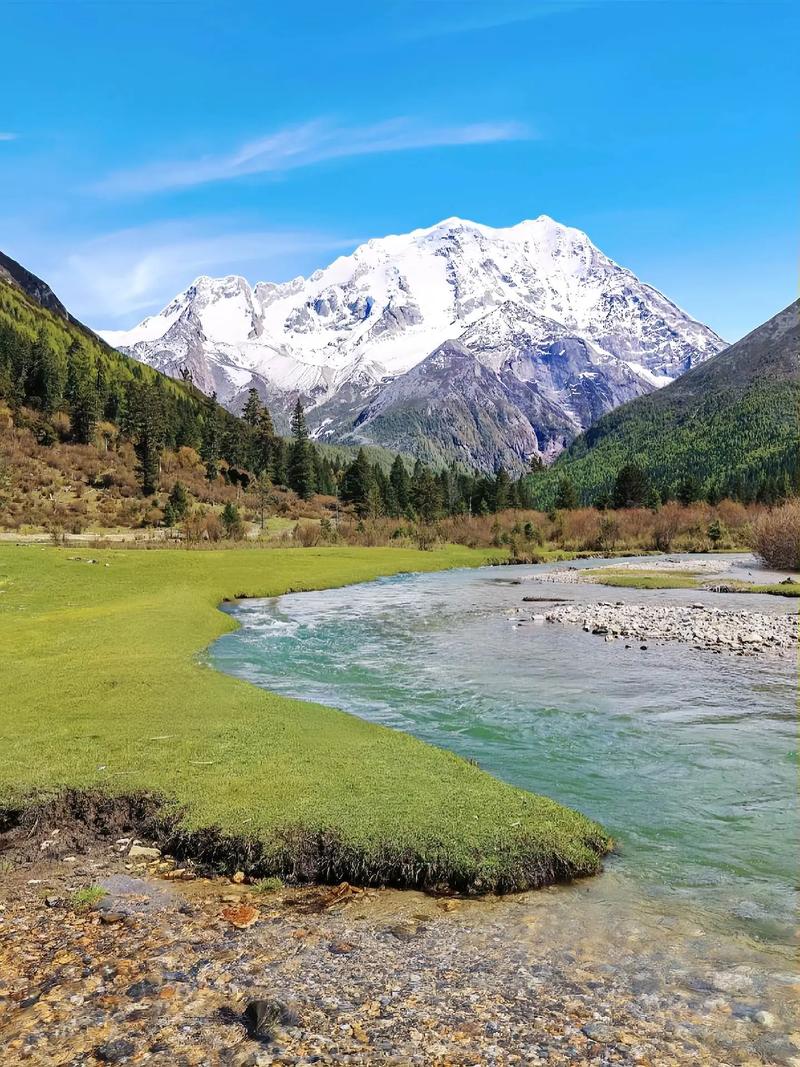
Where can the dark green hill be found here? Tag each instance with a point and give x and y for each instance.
(51, 363)
(729, 427)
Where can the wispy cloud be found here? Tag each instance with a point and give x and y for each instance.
(115, 279)
(450, 17)
(305, 145)
(7, 136)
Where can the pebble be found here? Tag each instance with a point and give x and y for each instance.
(143, 852)
(343, 975)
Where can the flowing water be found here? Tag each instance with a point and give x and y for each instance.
(689, 759)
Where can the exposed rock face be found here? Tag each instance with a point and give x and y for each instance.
(563, 332)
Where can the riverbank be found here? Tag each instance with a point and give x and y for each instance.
(352, 976)
(107, 693)
(740, 633)
(704, 626)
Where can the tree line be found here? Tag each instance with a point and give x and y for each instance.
(51, 367)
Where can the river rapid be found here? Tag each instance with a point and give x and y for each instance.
(689, 759)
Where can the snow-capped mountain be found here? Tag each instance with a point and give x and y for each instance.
(554, 330)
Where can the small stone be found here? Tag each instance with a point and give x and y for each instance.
(114, 1051)
(341, 948)
(143, 852)
(448, 904)
(599, 1032)
(239, 878)
(110, 918)
(241, 916)
(404, 931)
(764, 1019)
(142, 989)
(263, 1016)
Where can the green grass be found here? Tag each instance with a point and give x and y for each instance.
(683, 579)
(266, 886)
(644, 579)
(84, 899)
(772, 589)
(105, 689)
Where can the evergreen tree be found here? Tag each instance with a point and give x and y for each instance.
(326, 481)
(401, 485)
(566, 495)
(502, 490)
(146, 417)
(689, 490)
(179, 501)
(300, 468)
(211, 437)
(630, 488)
(357, 483)
(232, 521)
(47, 376)
(425, 496)
(84, 412)
(251, 412)
(263, 442)
(279, 461)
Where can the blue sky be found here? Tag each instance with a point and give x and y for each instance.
(144, 143)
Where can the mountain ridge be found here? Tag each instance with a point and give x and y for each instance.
(538, 303)
(730, 427)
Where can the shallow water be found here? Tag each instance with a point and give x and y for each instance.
(689, 759)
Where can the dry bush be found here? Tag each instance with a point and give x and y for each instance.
(307, 534)
(775, 536)
(580, 528)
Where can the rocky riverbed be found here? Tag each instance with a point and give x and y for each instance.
(171, 968)
(741, 633)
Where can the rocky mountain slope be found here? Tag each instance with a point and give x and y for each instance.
(551, 329)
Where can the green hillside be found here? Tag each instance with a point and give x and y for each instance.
(729, 427)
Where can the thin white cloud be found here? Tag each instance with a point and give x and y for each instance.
(7, 136)
(305, 145)
(117, 278)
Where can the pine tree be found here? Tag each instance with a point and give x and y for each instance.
(566, 495)
(264, 442)
(502, 490)
(85, 412)
(631, 487)
(179, 501)
(251, 412)
(210, 446)
(401, 485)
(146, 418)
(47, 377)
(425, 494)
(279, 462)
(232, 521)
(689, 490)
(300, 467)
(357, 483)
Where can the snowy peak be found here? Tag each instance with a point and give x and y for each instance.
(537, 301)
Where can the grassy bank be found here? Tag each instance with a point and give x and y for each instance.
(635, 578)
(104, 690)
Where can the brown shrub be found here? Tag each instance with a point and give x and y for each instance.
(307, 534)
(775, 536)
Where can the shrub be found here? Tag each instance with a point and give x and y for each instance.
(232, 521)
(775, 536)
(307, 534)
